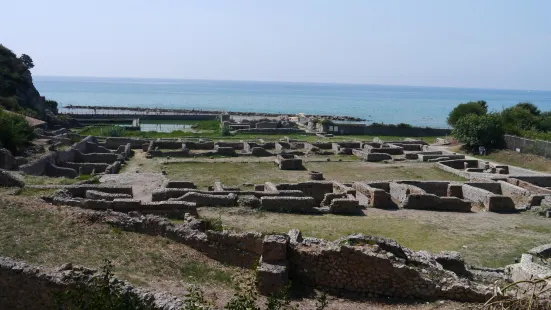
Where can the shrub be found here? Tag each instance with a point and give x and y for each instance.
(404, 125)
(51, 105)
(15, 132)
(103, 293)
(479, 130)
(112, 131)
(518, 118)
(225, 130)
(464, 109)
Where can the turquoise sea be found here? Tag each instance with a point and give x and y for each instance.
(424, 106)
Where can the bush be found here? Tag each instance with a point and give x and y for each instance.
(51, 105)
(225, 130)
(112, 131)
(103, 293)
(464, 109)
(479, 130)
(15, 132)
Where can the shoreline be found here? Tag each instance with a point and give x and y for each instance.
(165, 111)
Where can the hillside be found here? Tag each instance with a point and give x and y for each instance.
(17, 92)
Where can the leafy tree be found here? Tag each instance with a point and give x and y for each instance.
(518, 118)
(15, 130)
(27, 61)
(532, 108)
(51, 105)
(479, 130)
(463, 109)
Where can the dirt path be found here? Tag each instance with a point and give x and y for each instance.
(143, 184)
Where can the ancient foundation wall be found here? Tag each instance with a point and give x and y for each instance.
(438, 188)
(435, 203)
(288, 204)
(315, 189)
(115, 142)
(30, 287)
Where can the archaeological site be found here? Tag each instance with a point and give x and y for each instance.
(402, 220)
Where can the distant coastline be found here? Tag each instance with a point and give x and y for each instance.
(419, 106)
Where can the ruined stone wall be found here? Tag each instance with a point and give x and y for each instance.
(288, 204)
(208, 200)
(435, 203)
(400, 191)
(372, 196)
(529, 186)
(106, 158)
(438, 188)
(114, 142)
(315, 189)
(542, 181)
(491, 201)
(493, 187)
(167, 193)
(30, 287)
(234, 145)
(87, 168)
(179, 184)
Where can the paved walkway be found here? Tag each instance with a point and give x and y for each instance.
(143, 184)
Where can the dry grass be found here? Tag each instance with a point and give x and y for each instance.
(42, 234)
(508, 157)
(484, 239)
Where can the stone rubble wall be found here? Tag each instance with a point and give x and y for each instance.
(534, 189)
(52, 170)
(25, 286)
(435, 203)
(315, 189)
(400, 192)
(87, 168)
(371, 157)
(235, 145)
(168, 193)
(429, 157)
(106, 158)
(288, 204)
(288, 163)
(385, 149)
(98, 195)
(491, 201)
(7, 160)
(179, 184)
(438, 188)
(207, 200)
(348, 205)
(115, 142)
(368, 195)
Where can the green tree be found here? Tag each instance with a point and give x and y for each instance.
(463, 109)
(51, 105)
(15, 130)
(519, 118)
(27, 61)
(532, 108)
(479, 130)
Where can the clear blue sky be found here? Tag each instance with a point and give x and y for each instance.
(461, 43)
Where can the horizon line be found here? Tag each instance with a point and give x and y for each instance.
(292, 82)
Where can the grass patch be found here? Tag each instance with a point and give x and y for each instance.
(484, 239)
(44, 180)
(41, 234)
(523, 160)
(36, 192)
(204, 174)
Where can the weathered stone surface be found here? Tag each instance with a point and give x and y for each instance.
(274, 248)
(33, 287)
(92, 194)
(9, 179)
(7, 161)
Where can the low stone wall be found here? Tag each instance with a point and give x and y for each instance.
(260, 152)
(34, 287)
(429, 157)
(87, 168)
(115, 142)
(344, 206)
(97, 195)
(168, 193)
(491, 201)
(368, 195)
(180, 184)
(225, 150)
(371, 157)
(106, 158)
(289, 162)
(438, 188)
(288, 204)
(315, 189)
(207, 200)
(435, 203)
(206, 145)
(280, 146)
(52, 170)
(80, 190)
(234, 145)
(534, 189)
(385, 149)
(400, 191)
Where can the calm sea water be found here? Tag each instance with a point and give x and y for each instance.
(425, 106)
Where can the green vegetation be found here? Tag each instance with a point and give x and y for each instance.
(476, 130)
(464, 109)
(15, 131)
(112, 131)
(524, 119)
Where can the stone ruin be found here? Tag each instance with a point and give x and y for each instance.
(35, 287)
(357, 264)
(84, 157)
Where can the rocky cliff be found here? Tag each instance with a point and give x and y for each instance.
(17, 92)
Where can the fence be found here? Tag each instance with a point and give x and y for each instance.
(523, 145)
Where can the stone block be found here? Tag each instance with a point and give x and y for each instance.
(274, 248)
